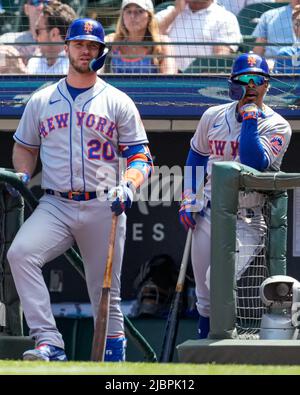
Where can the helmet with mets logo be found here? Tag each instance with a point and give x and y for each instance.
(90, 30)
(250, 63)
(246, 63)
(86, 29)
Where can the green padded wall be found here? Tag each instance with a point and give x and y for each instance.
(11, 218)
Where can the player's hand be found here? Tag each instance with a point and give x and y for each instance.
(120, 198)
(24, 177)
(189, 205)
(251, 111)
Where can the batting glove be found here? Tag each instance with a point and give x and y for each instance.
(24, 177)
(189, 205)
(251, 111)
(121, 197)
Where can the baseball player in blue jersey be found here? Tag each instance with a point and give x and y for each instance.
(246, 131)
(81, 126)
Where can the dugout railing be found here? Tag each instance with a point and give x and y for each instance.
(233, 178)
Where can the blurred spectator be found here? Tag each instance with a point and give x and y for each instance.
(10, 60)
(288, 58)
(138, 24)
(235, 6)
(193, 21)
(32, 9)
(51, 27)
(2, 10)
(275, 26)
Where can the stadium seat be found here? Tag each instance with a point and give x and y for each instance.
(249, 16)
(210, 64)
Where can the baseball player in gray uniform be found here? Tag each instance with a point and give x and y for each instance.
(81, 126)
(246, 131)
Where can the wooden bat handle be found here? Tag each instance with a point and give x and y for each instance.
(110, 254)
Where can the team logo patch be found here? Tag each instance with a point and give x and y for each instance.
(251, 60)
(88, 27)
(277, 143)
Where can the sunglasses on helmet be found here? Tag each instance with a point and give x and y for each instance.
(246, 78)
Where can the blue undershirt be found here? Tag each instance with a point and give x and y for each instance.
(193, 164)
(74, 92)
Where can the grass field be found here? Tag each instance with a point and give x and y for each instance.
(132, 368)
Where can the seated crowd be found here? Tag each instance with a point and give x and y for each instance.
(145, 41)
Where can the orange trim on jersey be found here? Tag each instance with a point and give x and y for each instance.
(115, 336)
(142, 157)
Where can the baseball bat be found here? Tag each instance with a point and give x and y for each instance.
(171, 330)
(75, 259)
(100, 331)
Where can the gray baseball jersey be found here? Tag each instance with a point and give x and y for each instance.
(78, 141)
(76, 138)
(218, 132)
(217, 136)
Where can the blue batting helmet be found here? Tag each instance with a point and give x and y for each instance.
(247, 63)
(86, 29)
(90, 30)
(250, 63)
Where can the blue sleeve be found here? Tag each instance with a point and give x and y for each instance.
(139, 157)
(251, 150)
(195, 169)
(130, 150)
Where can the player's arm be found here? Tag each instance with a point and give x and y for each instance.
(276, 141)
(24, 159)
(139, 165)
(195, 169)
(192, 176)
(251, 149)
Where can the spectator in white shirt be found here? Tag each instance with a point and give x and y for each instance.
(199, 21)
(51, 27)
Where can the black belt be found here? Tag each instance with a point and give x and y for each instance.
(78, 196)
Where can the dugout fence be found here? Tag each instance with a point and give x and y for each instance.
(237, 270)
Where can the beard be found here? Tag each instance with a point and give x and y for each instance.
(84, 69)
